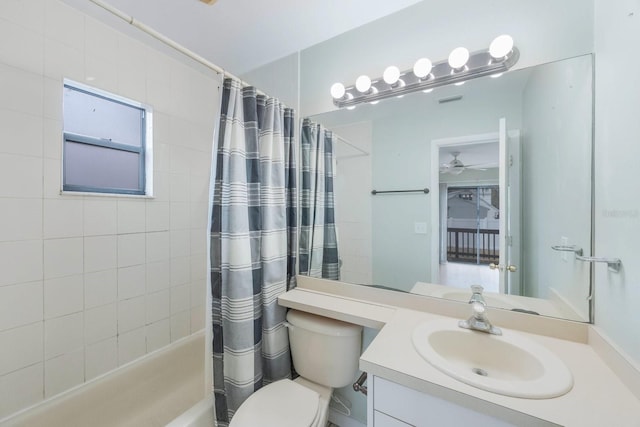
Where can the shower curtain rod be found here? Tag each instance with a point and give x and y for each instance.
(167, 41)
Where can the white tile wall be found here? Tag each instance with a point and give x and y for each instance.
(100, 217)
(63, 335)
(100, 253)
(101, 357)
(180, 325)
(131, 216)
(21, 388)
(158, 276)
(131, 345)
(158, 215)
(20, 176)
(21, 219)
(20, 304)
(180, 299)
(180, 270)
(62, 218)
(64, 295)
(20, 261)
(26, 344)
(63, 257)
(131, 314)
(100, 323)
(63, 372)
(26, 55)
(158, 246)
(158, 334)
(131, 249)
(22, 129)
(131, 282)
(91, 282)
(100, 288)
(158, 306)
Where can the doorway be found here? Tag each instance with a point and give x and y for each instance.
(473, 227)
(467, 211)
(471, 232)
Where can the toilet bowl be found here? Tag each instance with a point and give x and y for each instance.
(325, 353)
(285, 403)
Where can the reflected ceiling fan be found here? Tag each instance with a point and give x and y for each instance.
(456, 167)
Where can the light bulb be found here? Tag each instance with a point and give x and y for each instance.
(391, 74)
(422, 68)
(363, 83)
(501, 46)
(459, 84)
(428, 90)
(337, 90)
(495, 76)
(458, 57)
(373, 92)
(353, 107)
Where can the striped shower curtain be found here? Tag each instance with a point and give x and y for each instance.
(318, 239)
(253, 228)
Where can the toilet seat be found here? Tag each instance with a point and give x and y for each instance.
(284, 403)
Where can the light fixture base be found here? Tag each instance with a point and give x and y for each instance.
(480, 64)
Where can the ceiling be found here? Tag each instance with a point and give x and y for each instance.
(241, 35)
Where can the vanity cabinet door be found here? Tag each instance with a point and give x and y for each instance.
(404, 406)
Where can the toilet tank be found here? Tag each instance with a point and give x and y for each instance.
(325, 351)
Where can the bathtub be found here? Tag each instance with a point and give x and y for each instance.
(199, 415)
(148, 392)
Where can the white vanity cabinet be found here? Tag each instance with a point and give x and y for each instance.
(393, 405)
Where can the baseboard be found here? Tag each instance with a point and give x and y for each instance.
(342, 420)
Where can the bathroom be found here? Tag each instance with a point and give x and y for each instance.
(93, 284)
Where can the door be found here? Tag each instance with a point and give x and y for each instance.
(509, 222)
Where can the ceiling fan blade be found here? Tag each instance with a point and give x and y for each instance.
(482, 165)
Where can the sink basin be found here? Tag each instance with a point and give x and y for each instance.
(509, 364)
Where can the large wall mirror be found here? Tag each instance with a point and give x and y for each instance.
(508, 162)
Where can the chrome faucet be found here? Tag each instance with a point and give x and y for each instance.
(476, 294)
(478, 320)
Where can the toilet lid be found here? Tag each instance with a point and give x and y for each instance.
(281, 404)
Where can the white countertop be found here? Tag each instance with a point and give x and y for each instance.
(599, 396)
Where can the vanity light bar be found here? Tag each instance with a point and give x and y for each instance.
(479, 64)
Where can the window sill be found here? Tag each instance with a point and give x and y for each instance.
(109, 195)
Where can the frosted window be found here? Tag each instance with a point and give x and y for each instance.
(93, 115)
(104, 142)
(94, 166)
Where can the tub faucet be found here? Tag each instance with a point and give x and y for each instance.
(478, 320)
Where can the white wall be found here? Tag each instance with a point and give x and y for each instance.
(90, 283)
(543, 30)
(617, 209)
(278, 79)
(353, 202)
(557, 132)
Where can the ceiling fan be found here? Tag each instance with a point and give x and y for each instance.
(456, 167)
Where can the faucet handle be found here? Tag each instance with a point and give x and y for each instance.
(477, 289)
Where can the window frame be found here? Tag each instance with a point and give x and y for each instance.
(145, 164)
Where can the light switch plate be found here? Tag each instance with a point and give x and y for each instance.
(420, 227)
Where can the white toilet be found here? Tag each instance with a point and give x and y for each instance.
(325, 353)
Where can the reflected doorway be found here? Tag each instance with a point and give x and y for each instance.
(472, 236)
